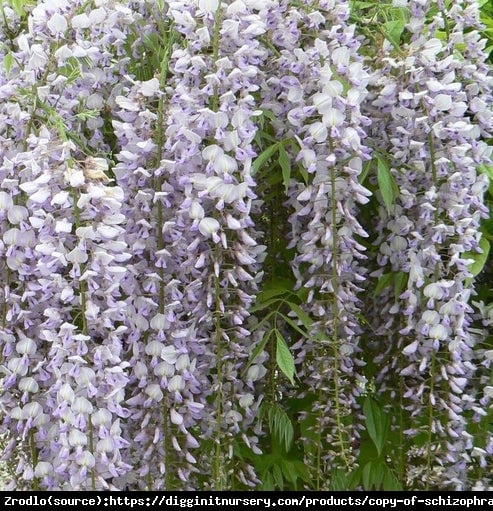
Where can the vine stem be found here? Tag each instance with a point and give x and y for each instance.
(335, 313)
(218, 465)
(436, 218)
(163, 76)
(34, 456)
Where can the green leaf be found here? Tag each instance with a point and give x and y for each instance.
(264, 304)
(268, 482)
(285, 167)
(368, 476)
(273, 288)
(264, 156)
(390, 482)
(383, 282)
(305, 319)
(258, 349)
(280, 424)
(488, 170)
(284, 358)
(270, 115)
(386, 183)
(400, 281)
(338, 480)
(376, 423)
(289, 321)
(479, 259)
(277, 473)
(8, 60)
(363, 5)
(302, 470)
(304, 174)
(84, 115)
(261, 323)
(378, 473)
(355, 479)
(289, 470)
(18, 6)
(366, 169)
(393, 31)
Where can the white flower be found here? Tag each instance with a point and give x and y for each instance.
(86, 459)
(225, 164)
(183, 362)
(26, 347)
(196, 211)
(333, 117)
(232, 222)
(154, 348)
(17, 214)
(164, 369)
(159, 322)
(175, 417)
(66, 393)
(246, 400)
(176, 383)
(57, 24)
(150, 87)
(443, 102)
(82, 405)
(63, 225)
(154, 392)
(208, 5)
(77, 256)
(212, 152)
(169, 354)
(208, 226)
(86, 375)
(80, 21)
(42, 469)
(101, 417)
(438, 332)
(318, 131)
(97, 15)
(17, 366)
(32, 410)
(431, 317)
(105, 445)
(410, 348)
(29, 384)
(6, 201)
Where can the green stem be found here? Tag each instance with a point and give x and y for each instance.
(335, 314)
(4, 304)
(34, 456)
(219, 470)
(436, 219)
(164, 71)
(273, 235)
(430, 423)
(402, 458)
(83, 307)
(218, 455)
(215, 53)
(167, 447)
(91, 450)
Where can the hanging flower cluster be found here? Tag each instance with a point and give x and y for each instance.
(437, 118)
(189, 251)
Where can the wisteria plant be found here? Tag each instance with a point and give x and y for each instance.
(245, 244)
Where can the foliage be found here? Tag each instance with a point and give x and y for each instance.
(246, 244)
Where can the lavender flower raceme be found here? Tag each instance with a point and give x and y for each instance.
(429, 98)
(187, 189)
